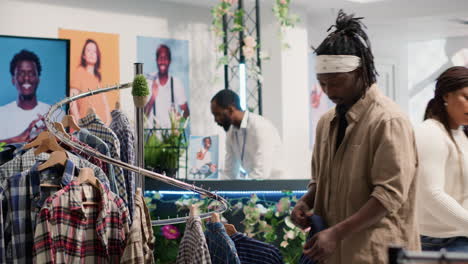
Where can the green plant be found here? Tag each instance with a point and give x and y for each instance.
(2, 144)
(285, 19)
(140, 86)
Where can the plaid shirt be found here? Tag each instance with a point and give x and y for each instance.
(68, 232)
(222, 248)
(10, 151)
(140, 243)
(99, 129)
(98, 144)
(193, 247)
(122, 128)
(22, 198)
(252, 251)
(28, 159)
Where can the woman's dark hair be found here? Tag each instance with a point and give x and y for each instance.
(454, 78)
(349, 38)
(98, 59)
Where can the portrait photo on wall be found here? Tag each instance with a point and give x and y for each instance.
(319, 103)
(94, 63)
(203, 158)
(33, 76)
(166, 68)
(429, 59)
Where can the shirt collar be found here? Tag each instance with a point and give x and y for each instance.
(245, 120)
(90, 119)
(36, 175)
(360, 107)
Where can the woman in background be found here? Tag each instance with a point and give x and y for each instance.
(88, 77)
(443, 165)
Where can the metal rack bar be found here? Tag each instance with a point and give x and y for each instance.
(223, 204)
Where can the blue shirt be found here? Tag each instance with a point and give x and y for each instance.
(252, 251)
(221, 246)
(22, 198)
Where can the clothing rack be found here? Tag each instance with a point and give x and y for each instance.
(223, 204)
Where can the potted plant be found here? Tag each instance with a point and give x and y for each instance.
(140, 91)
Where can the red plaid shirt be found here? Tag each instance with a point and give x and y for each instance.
(68, 232)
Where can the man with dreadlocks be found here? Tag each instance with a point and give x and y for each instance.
(364, 161)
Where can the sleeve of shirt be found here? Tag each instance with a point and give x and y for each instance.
(394, 165)
(179, 92)
(231, 163)
(263, 148)
(44, 249)
(433, 154)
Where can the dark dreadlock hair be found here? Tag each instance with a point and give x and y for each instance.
(349, 38)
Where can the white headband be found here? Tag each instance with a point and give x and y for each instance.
(337, 63)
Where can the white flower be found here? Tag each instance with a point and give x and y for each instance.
(249, 52)
(261, 209)
(291, 235)
(264, 55)
(249, 41)
(284, 244)
(288, 222)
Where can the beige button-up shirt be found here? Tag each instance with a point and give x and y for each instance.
(377, 158)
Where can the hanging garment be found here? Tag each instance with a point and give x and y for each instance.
(122, 128)
(252, 251)
(140, 243)
(98, 128)
(69, 232)
(28, 159)
(222, 248)
(22, 198)
(98, 144)
(193, 248)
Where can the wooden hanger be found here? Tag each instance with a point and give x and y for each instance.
(91, 110)
(117, 105)
(70, 122)
(56, 157)
(87, 176)
(38, 140)
(138, 191)
(61, 129)
(48, 144)
(230, 229)
(215, 218)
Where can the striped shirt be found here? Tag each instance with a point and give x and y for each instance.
(222, 248)
(122, 128)
(252, 251)
(22, 198)
(193, 248)
(68, 232)
(99, 129)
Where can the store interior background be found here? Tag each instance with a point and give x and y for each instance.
(408, 40)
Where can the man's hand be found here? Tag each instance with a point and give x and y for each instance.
(25, 135)
(300, 215)
(322, 245)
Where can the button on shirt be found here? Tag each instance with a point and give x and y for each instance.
(22, 198)
(256, 146)
(193, 248)
(99, 129)
(252, 251)
(69, 232)
(222, 248)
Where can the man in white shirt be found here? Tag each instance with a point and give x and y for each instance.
(166, 92)
(252, 142)
(21, 120)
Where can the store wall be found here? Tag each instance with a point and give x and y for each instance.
(155, 19)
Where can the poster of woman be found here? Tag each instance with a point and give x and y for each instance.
(94, 64)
